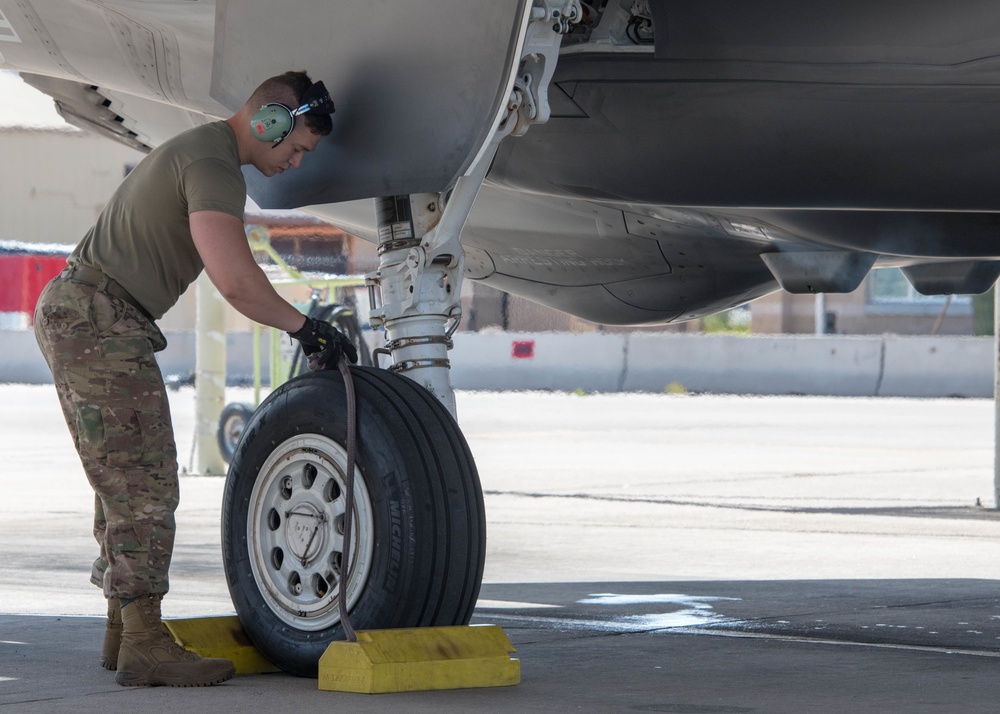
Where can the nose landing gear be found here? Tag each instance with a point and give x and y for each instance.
(418, 558)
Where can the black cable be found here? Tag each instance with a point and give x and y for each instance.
(352, 448)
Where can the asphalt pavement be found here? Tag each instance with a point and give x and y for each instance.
(658, 553)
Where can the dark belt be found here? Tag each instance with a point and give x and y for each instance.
(96, 279)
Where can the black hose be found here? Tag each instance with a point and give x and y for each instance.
(352, 449)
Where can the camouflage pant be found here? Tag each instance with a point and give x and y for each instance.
(100, 350)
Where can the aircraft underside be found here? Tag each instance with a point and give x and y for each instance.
(665, 173)
(847, 137)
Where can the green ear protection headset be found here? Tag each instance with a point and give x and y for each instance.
(273, 122)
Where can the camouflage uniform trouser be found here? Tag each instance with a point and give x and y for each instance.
(100, 350)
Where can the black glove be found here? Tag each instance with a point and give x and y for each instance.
(323, 344)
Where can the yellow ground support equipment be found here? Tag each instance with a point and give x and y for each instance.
(219, 637)
(281, 350)
(420, 659)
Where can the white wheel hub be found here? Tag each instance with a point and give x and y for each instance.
(295, 532)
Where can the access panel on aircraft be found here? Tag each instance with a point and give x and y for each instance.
(417, 87)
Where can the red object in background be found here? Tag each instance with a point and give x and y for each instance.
(522, 349)
(22, 278)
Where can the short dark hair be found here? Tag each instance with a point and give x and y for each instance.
(288, 89)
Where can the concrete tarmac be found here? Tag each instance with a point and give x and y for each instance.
(645, 553)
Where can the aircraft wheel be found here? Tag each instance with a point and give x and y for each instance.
(419, 536)
(232, 422)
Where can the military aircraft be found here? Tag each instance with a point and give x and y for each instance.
(627, 161)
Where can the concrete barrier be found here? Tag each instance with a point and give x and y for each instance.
(731, 364)
(643, 362)
(549, 361)
(863, 366)
(21, 362)
(937, 367)
(20, 359)
(178, 358)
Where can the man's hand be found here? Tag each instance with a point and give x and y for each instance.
(323, 344)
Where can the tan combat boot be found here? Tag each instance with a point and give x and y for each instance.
(149, 658)
(112, 635)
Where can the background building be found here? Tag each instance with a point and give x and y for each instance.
(884, 303)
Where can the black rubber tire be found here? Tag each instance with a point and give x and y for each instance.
(427, 508)
(232, 423)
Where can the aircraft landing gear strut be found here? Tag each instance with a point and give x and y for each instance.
(419, 281)
(421, 259)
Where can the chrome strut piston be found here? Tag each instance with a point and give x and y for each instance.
(418, 280)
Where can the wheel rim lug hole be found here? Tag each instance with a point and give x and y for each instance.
(309, 473)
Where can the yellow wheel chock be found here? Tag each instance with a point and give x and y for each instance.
(420, 659)
(380, 661)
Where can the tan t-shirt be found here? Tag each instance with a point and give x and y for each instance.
(142, 238)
